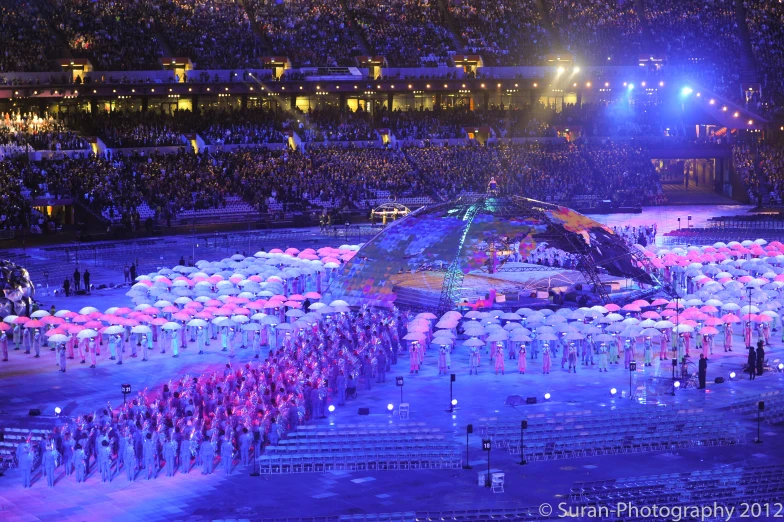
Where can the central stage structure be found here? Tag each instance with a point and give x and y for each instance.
(482, 235)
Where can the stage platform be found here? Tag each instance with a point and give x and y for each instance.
(519, 284)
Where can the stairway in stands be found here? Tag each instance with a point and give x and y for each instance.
(543, 8)
(450, 24)
(647, 37)
(748, 72)
(356, 32)
(266, 45)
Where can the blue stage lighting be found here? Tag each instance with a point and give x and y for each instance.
(686, 91)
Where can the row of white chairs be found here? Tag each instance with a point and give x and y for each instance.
(269, 464)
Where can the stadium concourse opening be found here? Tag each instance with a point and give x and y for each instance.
(453, 254)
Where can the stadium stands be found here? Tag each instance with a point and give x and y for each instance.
(598, 33)
(503, 33)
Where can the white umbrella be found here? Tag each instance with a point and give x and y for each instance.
(446, 323)
(519, 337)
(473, 342)
(84, 334)
(498, 336)
(58, 338)
(197, 323)
(141, 329)
(681, 328)
(172, 326)
(88, 310)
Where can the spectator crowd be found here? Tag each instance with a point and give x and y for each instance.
(22, 132)
(760, 166)
(331, 176)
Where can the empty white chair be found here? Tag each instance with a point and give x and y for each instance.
(497, 482)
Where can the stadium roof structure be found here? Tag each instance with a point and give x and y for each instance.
(468, 234)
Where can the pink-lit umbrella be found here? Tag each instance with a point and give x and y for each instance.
(34, 323)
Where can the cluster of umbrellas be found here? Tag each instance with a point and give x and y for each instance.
(719, 252)
(750, 273)
(230, 312)
(241, 293)
(265, 275)
(640, 319)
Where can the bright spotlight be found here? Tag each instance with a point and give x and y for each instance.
(781, 366)
(732, 375)
(677, 384)
(661, 84)
(751, 122)
(390, 407)
(613, 391)
(454, 402)
(631, 86)
(576, 70)
(712, 102)
(560, 70)
(331, 408)
(547, 396)
(686, 91)
(57, 410)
